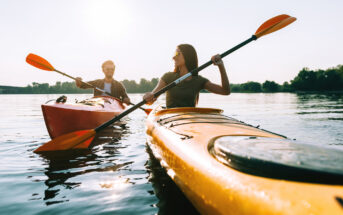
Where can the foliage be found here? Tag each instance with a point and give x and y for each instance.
(306, 80)
(70, 87)
(319, 80)
(248, 87)
(270, 86)
(44, 88)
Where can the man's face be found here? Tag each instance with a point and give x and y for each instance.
(108, 70)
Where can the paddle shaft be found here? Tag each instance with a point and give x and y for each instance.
(95, 88)
(195, 71)
(173, 84)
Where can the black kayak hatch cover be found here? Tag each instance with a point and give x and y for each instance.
(280, 158)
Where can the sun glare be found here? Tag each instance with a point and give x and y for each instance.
(108, 19)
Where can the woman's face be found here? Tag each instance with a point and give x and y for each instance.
(178, 58)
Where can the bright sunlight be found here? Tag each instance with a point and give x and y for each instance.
(107, 19)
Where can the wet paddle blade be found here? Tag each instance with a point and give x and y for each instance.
(274, 24)
(78, 139)
(39, 62)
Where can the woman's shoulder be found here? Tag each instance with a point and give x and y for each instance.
(201, 78)
(169, 76)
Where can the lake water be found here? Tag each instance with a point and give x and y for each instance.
(118, 176)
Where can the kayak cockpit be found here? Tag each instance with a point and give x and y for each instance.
(279, 158)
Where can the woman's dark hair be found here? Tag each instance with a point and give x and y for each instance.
(190, 55)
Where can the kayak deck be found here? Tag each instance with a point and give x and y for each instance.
(62, 118)
(181, 138)
(280, 158)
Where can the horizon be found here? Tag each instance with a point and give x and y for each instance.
(138, 81)
(77, 36)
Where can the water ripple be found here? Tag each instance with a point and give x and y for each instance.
(119, 175)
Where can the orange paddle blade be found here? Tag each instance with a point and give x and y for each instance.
(274, 24)
(77, 139)
(147, 111)
(39, 62)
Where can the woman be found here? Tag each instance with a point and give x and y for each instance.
(186, 93)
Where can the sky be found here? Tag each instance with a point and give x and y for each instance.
(140, 36)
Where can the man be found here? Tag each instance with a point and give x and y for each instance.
(108, 84)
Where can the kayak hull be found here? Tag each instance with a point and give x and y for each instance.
(63, 118)
(182, 147)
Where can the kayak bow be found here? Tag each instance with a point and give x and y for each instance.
(221, 165)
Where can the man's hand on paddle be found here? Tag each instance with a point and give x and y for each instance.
(78, 81)
(126, 101)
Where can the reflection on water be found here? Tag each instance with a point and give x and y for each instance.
(321, 106)
(171, 199)
(118, 176)
(63, 165)
(68, 164)
(317, 98)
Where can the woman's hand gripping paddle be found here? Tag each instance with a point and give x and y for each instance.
(83, 138)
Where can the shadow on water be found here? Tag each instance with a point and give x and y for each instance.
(64, 165)
(171, 198)
(335, 97)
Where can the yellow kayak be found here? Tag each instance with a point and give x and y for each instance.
(225, 166)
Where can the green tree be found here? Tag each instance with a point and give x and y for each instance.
(131, 86)
(144, 86)
(286, 87)
(305, 80)
(154, 83)
(320, 80)
(270, 86)
(235, 88)
(251, 86)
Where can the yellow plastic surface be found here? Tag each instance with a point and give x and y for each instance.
(214, 188)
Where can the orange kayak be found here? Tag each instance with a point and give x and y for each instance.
(61, 118)
(225, 166)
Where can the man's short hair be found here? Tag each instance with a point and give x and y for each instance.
(108, 62)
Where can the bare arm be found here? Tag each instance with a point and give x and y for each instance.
(149, 97)
(224, 89)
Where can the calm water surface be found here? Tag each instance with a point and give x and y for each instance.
(118, 176)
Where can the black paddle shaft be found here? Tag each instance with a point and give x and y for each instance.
(173, 84)
(197, 70)
(95, 88)
(75, 79)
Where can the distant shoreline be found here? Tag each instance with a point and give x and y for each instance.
(307, 81)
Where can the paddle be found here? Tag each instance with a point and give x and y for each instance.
(43, 64)
(82, 139)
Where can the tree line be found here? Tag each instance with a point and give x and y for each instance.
(307, 80)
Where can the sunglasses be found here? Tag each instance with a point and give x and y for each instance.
(177, 53)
